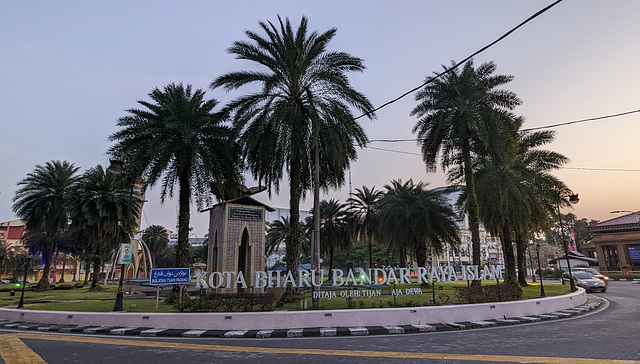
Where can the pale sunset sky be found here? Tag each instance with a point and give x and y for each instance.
(69, 70)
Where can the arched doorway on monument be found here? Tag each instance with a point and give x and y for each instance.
(244, 260)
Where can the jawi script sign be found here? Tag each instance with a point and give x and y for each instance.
(243, 213)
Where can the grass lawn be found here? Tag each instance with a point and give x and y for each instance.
(82, 300)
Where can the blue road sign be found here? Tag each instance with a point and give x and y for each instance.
(165, 276)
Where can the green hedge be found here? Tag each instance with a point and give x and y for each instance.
(490, 293)
(229, 303)
(623, 277)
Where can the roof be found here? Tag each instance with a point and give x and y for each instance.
(622, 223)
(243, 200)
(574, 255)
(12, 223)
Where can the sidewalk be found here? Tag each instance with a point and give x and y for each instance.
(593, 303)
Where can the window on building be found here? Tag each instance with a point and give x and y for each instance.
(633, 253)
(610, 254)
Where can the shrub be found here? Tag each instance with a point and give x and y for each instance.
(488, 293)
(622, 277)
(232, 302)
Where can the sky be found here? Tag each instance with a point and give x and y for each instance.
(69, 70)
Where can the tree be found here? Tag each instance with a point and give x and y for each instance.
(99, 207)
(413, 219)
(277, 233)
(334, 229)
(302, 106)
(42, 203)
(363, 211)
(177, 138)
(516, 191)
(6, 259)
(157, 239)
(459, 114)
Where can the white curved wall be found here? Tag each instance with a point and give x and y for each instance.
(304, 319)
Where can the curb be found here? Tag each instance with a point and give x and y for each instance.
(592, 304)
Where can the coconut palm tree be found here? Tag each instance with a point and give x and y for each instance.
(176, 138)
(413, 219)
(334, 228)
(301, 109)
(100, 205)
(363, 211)
(157, 239)
(42, 203)
(459, 114)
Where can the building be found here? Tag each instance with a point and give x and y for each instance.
(11, 233)
(617, 243)
(490, 248)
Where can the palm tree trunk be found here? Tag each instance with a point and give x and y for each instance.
(421, 254)
(182, 248)
(507, 250)
(96, 271)
(43, 284)
(64, 267)
(521, 260)
(370, 254)
(472, 206)
(293, 240)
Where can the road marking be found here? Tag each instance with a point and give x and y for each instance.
(14, 351)
(14, 338)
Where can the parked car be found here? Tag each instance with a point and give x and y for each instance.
(589, 282)
(5, 281)
(595, 273)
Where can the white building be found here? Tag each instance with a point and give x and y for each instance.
(490, 248)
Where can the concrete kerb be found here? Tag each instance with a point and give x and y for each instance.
(305, 323)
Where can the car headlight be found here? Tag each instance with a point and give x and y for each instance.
(584, 283)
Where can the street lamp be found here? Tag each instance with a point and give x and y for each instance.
(117, 167)
(27, 263)
(567, 195)
(540, 270)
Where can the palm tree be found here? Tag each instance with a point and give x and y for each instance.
(334, 228)
(100, 205)
(413, 219)
(515, 192)
(42, 203)
(178, 139)
(301, 109)
(157, 239)
(6, 259)
(363, 211)
(277, 233)
(458, 116)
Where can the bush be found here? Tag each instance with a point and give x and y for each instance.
(549, 274)
(232, 302)
(490, 293)
(623, 277)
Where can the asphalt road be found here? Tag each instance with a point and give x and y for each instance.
(604, 336)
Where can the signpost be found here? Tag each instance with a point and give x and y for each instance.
(168, 276)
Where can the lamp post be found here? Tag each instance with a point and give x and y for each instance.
(573, 199)
(540, 270)
(27, 263)
(117, 167)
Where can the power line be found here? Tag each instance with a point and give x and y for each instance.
(447, 70)
(393, 150)
(582, 120)
(576, 168)
(528, 129)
